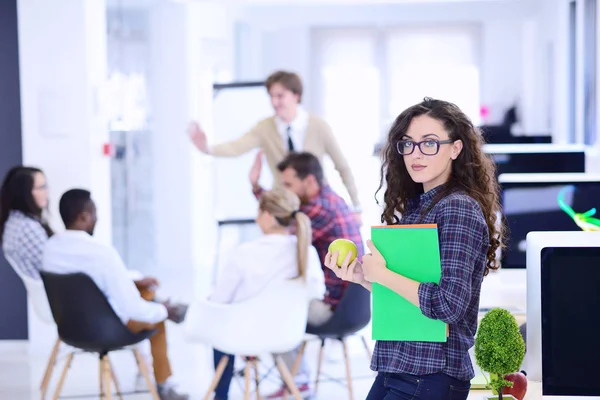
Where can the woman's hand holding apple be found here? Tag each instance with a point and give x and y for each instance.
(350, 271)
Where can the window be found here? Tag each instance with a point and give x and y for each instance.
(433, 62)
(366, 77)
(589, 72)
(572, 71)
(348, 77)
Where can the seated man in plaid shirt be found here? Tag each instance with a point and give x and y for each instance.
(331, 219)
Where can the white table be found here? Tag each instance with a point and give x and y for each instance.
(534, 392)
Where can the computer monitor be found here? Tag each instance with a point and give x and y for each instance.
(563, 318)
(501, 134)
(546, 202)
(536, 158)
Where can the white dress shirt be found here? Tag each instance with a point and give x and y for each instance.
(298, 129)
(253, 265)
(76, 251)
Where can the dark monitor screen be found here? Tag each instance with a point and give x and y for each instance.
(538, 162)
(544, 206)
(570, 282)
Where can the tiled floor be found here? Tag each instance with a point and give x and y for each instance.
(22, 364)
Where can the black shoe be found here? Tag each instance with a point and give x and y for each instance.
(177, 312)
(169, 393)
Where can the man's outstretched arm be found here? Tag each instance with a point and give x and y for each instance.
(254, 175)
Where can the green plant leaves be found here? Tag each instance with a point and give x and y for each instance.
(499, 346)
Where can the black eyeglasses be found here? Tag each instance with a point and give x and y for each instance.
(429, 147)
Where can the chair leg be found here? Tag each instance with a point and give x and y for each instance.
(106, 377)
(113, 376)
(288, 378)
(348, 373)
(63, 376)
(369, 353)
(256, 378)
(247, 380)
(144, 370)
(218, 374)
(49, 368)
(101, 369)
(296, 365)
(319, 364)
(298, 359)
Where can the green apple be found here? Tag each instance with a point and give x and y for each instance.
(343, 247)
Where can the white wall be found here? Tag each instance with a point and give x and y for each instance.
(63, 67)
(286, 37)
(188, 43)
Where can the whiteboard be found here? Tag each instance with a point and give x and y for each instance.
(236, 111)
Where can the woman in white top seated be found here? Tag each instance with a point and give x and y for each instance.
(277, 255)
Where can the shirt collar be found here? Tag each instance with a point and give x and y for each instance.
(298, 123)
(325, 189)
(424, 199)
(76, 233)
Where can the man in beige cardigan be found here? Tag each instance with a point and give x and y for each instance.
(292, 128)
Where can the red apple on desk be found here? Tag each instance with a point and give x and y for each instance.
(343, 247)
(519, 387)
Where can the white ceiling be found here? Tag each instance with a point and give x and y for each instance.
(343, 2)
(250, 3)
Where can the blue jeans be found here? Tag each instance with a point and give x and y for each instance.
(411, 387)
(222, 390)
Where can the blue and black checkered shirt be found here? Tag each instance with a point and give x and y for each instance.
(464, 241)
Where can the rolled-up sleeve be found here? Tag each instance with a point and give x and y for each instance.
(461, 229)
(123, 295)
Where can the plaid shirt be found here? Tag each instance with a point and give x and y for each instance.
(23, 241)
(464, 241)
(331, 219)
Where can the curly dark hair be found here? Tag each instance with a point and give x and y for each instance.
(473, 171)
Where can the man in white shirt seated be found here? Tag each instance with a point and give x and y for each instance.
(75, 250)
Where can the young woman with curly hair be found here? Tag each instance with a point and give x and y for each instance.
(435, 172)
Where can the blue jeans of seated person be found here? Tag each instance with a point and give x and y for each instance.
(424, 387)
(222, 390)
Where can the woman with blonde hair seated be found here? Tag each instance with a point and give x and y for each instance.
(284, 251)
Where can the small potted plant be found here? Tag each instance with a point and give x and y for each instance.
(499, 349)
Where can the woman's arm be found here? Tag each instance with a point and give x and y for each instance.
(375, 270)
(367, 285)
(228, 281)
(462, 230)
(402, 285)
(32, 243)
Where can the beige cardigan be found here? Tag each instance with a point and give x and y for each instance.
(319, 140)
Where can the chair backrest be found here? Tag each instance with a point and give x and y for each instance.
(84, 317)
(271, 322)
(35, 291)
(351, 315)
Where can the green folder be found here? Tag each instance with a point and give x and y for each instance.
(412, 251)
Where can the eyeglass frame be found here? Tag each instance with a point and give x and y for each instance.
(418, 144)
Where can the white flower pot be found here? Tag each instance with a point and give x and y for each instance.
(495, 397)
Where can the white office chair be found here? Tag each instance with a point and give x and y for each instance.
(39, 301)
(272, 322)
